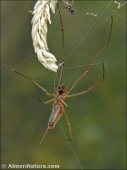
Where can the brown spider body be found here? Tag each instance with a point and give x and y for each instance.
(58, 106)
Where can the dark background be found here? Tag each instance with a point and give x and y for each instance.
(97, 119)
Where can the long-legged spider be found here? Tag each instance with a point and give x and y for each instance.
(62, 91)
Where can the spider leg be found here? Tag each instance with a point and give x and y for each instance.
(28, 78)
(95, 58)
(63, 102)
(86, 91)
(41, 141)
(49, 101)
(62, 49)
(68, 124)
(90, 88)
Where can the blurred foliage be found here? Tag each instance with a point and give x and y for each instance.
(97, 119)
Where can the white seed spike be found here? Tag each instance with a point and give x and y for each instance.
(41, 14)
(53, 5)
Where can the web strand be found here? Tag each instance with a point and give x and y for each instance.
(71, 148)
(81, 40)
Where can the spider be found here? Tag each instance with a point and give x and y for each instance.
(69, 7)
(62, 90)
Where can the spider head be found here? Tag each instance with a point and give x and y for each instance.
(62, 89)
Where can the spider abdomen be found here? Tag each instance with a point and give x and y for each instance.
(55, 115)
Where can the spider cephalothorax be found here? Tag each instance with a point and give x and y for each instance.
(62, 89)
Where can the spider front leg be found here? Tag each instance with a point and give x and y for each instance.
(84, 92)
(30, 79)
(94, 59)
(90, 88)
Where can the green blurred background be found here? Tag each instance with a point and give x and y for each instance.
(97, 119)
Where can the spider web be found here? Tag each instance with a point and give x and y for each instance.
(97, 119)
